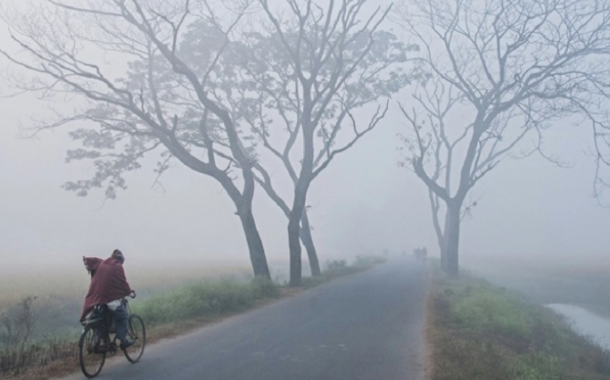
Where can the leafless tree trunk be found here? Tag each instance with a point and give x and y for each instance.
(438, 230)
(264, 181)
(307, 240)
(451, 237)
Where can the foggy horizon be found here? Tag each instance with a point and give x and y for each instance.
(363, 203)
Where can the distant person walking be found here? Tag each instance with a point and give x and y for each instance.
(421, 253)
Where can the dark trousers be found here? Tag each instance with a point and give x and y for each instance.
(120, 322)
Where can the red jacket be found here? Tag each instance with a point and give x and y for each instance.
(108, 283)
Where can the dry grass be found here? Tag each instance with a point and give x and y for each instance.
(72, 281)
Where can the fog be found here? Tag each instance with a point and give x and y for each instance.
(364, 202)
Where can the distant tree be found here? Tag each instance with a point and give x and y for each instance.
(144, 89)
(501, 71)
(315, 64)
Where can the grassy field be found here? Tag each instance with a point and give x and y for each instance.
(170, 304)
(578, 282)
(59, 292)
(480, 331)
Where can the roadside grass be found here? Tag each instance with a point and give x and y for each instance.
(479, 331)
(210, 298)
(581, 283)
(168, 314)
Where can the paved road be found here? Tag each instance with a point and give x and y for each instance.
(368, 326)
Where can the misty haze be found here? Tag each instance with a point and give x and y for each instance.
(297, 189)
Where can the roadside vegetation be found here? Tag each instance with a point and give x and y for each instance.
(579, 282)
(479, 331)
(166, 314)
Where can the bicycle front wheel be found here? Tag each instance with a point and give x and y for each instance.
(137, 332)
(90, 355)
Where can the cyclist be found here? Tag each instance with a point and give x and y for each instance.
(109, 286)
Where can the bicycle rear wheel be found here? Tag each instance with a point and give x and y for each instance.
(137, 332)
(90, 357)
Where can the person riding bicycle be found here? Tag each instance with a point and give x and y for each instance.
(109, 286)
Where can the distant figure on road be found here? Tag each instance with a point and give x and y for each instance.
(420, 253)
(108, 287)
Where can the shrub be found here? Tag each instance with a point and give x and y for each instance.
(492, 310)
(264, 288)
(336, 265)
(205, 299)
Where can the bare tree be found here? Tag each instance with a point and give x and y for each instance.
(19, 322)
(501, 71)
(260, 73)
(315, 65)
(248, 104)
(143, 90)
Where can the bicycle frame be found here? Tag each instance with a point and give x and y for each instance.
(101, 322)
(96, 341)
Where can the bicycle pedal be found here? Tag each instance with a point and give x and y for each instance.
(100, 349)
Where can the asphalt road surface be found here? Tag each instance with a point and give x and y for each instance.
(368, 326)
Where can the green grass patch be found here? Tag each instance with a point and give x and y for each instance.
(479, 331)
(582, 283)
(484, 308)
(204, 299)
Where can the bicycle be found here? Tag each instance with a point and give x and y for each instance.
(95, 341)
